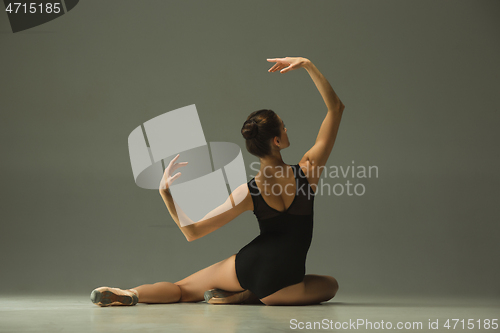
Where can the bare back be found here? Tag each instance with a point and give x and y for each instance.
(278, 190)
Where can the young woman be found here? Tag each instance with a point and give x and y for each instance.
(271, 268)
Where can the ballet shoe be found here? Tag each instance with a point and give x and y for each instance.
(219, 296)
(105, 296)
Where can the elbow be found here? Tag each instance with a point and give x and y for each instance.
(340, 106)
(190, 233)
(190, 238)
(337, 108)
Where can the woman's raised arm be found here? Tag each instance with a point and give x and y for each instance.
(317, 156)
(319, 153)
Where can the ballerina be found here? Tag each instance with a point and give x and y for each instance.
(270, 269)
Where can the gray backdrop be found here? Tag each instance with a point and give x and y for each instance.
(420, 81)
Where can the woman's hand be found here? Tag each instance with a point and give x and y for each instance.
(168, 179)
(287, 64)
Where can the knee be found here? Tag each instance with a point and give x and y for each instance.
(333, 286)
(184, 296)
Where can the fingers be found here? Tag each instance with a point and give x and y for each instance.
(174, 177)
(177, 166)
(172, 165)
(272, 69)
(277, 67)
(275, 59)
(166, 181)
(173, 160)
(280, 65)
(286, 69)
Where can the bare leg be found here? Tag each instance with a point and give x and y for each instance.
(219, 296)
(160, 292)
(220, 275)
(313, 290)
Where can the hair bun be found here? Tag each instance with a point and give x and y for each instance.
(249, 129)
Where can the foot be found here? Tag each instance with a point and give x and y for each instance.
(219, 296)
(105, 296)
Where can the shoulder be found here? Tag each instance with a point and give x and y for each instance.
(239, 200)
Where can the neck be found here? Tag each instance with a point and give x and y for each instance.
(272, 161)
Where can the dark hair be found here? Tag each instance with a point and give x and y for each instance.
(259, 129)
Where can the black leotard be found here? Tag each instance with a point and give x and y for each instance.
(276, 258)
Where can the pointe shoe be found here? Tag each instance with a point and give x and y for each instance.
(219, 296)
(105, 296)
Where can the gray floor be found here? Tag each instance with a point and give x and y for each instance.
(78, 314)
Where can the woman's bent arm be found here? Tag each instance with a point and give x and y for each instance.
(187, 230)
(238, 202)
